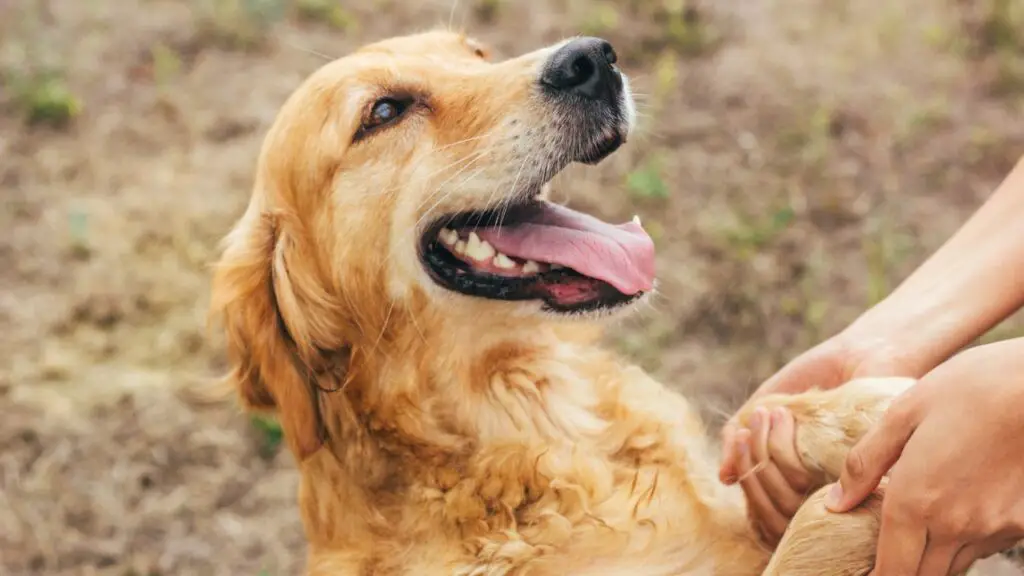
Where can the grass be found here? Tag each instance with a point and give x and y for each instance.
(688, 30)
(78, 232)
(677, 24)
(750, 233)
(238, 24)
(666, 78)
(645, 345)
(601, 18)
(646, 182)
(809, 138)
(166, 65)
(923, 118)
(995, 32)
(329, 12)
(886, 249)
(269, 435)
(44, 97)
(1009, 74)
(33, 68)
(1001, 27)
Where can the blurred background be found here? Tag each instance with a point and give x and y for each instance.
(795, 160)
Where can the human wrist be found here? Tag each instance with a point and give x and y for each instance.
(898, 338)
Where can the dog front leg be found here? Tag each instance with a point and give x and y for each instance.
(823, 543)
(830, 422)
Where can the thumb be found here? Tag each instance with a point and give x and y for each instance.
(870, 459)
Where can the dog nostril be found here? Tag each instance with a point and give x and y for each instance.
(609, 53)
(582, 68)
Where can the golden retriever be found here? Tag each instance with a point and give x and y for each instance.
(426, 327)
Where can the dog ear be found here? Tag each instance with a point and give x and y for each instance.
(271, 313)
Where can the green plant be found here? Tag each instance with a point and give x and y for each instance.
(269, 433)
(666, 78)
(602, 18)
(808, 139)
(687, 29)
(166, 64)
(752, 233)
(1002, 26)
(328, 12)
(239, 24)
(78, 231)
(646, 344)
(646, 181)
(925, 116)
(1009, 73)
(44, 97)
(883, 250)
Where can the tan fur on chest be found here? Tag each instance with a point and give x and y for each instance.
(587, 461)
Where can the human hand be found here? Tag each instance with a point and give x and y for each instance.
(771, 474)
(824, 366)
(828, 365)
(763, 458)
(955, 445)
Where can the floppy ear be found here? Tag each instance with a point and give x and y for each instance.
(272, 308)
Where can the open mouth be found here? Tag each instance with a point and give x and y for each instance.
(536, 250)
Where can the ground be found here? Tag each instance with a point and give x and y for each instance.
(794, 163)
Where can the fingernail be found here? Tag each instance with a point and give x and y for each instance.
(835, 495)
(744, 446)
(777, 415)
(755, 420)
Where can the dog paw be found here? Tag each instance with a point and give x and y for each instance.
(830, 422)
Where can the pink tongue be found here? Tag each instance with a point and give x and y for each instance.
(621, 255)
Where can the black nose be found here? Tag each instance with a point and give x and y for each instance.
(584, 67)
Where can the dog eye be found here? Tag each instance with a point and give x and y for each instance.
(384, 111)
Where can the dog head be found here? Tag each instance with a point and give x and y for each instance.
(410, 174)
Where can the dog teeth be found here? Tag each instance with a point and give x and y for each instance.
(503, 261)
(479, 250)
(448, 236)
(636, 219)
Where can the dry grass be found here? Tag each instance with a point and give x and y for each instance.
(796, 161)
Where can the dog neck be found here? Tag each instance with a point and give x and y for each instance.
(419, 402)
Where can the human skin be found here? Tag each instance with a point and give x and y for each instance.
(965, 288)
(954, 443)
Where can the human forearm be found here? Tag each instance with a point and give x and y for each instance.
(969, 285)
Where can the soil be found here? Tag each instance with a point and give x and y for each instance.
(794, 163)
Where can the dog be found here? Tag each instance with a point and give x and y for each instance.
(426, 327)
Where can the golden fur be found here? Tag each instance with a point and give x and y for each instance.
(442, 434)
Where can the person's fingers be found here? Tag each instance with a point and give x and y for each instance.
(872, 457)
(782, 447)
(938, 558)
(769, 520)
(901, 543)
(785, 498)
(727, 471)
